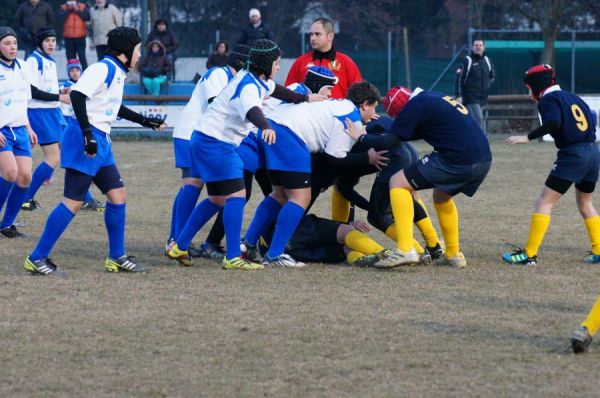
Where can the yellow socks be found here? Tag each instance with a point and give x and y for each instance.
(353, 255)
(592, 322)
(592, 225)
(357, 241)
(403, 210)
(391, 233)
(448, 217)
(340, 206)
(428, 231)
(537, 230)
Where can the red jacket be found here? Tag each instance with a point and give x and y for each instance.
(342, 66)
(74, 26)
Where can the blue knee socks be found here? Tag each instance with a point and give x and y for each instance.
(42, 173)
(185, 205)
(13, 205)
(201, 214)
(173, 233)
(233, 215)
(289, 217)
(5, 188)
(57, 222)
(114, 218)
(265, 215)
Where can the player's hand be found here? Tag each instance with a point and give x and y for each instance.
(268, 136)
(361, 226)
(2, 140)
(90, 146)
(375, 116)
(154, 123)
(33, 140)
(377, 159)
(353, 131)
(316, 97)
(65, 98)
(517, 139)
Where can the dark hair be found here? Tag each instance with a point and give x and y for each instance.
(327, 24)
(159, 21)
(363, 91)
(478, 39)
(219, 43)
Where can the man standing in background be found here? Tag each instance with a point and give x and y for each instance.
(104, 17)
(474, 77)
(30, 17)
(255, 30)
(74, 15)
(324, 54)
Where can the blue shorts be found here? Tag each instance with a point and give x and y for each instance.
(577, 163)
(215, 160)
(183, 158)
(17, 141)
(434, 172)
(48, 124)
(401, 157)
(72, 155)
(288, 153)
(251, 153)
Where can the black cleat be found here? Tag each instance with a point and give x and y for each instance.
(250, 252)
(31, 205)
(11, 232)
(45, 266)
(581, 340)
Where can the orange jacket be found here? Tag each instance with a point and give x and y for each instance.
(74, 26)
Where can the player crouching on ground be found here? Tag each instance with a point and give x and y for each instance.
(459, 163)
(568, 119)
(319, 240)
(87, 154)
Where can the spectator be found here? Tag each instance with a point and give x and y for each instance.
(474, 77)
(162, 33)
(324, 54)
(30, 17)
(255, 30)
(104, 17)
(155, 67)
(74, 15)
(219, 57)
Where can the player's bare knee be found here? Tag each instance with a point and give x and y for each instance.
(343, 231)
(117, 196)
(73, 205)
(399, 180)
(10, 174)
(23, 178)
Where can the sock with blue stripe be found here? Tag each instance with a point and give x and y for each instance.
(42, 173)
(289, 217)
(114, 218)
(265, 215)
(233, 215)
(200, 216)
(5, 188)
(185, 205)
(13, 205)
(172, 232)
(57, 223)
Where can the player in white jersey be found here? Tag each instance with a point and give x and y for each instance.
(45, 117)
(301, 130)
(319, 80)
(227, 121)
(74, 70)
(207, 89)
(16, 136)
(87, 154)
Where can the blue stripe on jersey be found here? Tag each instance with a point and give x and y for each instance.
(40, 63)
(41, 54)
(354, 116)
(209, 72)
(114, 61)
(246, 80)
(302, 89)
(574, 115)
(111, 72)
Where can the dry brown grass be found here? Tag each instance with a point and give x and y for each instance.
(490, 329)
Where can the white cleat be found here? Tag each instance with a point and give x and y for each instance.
(397, 258)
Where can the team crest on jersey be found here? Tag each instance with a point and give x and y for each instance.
(7, 102)
(119, 80)
(2, 77)
(335, 65)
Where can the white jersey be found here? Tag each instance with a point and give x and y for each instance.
(270, 104)
(320, 125)
(44, 76)
(15, 92)
(211, 85)
(102, 83)
(67, 109)
(225, 118)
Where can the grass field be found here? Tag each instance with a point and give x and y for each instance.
(490, 329)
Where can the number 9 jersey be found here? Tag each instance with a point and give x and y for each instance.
(573, 114)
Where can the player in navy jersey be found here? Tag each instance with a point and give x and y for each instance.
(16, 135)
(87, 154)
(227, 122)
(459, 163)
(567, 118)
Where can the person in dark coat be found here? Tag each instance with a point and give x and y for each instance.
(154, 67)
(255, 30)
(32, 15)
(219, 57)
(162, 33)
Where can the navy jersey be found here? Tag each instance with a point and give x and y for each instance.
(446, 125)
(574, 115)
